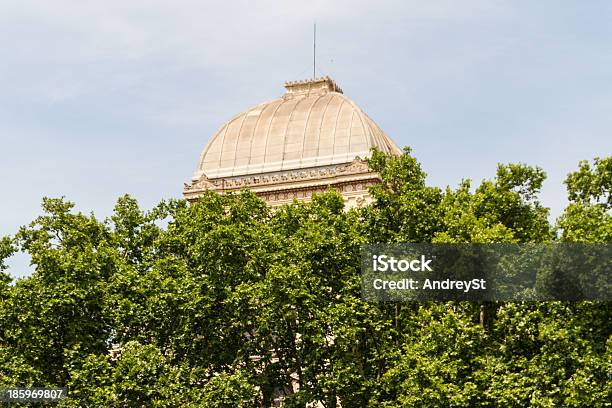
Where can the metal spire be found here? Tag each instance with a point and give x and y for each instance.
(314, 53)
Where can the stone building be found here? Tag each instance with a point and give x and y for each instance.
(311, 138)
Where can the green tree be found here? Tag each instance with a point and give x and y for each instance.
(587, 218)
(59, 307)
(225, 303)
(230, 391)
(140, 377)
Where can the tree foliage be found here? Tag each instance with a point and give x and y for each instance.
(225, 303)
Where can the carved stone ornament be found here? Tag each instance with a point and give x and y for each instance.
(357, 166)
(203, 183)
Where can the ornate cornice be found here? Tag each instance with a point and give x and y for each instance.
(325, 175)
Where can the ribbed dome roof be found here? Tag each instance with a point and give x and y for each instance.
(312, 125)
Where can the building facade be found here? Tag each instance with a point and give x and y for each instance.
(310, 139)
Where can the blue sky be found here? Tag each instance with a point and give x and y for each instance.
(98, 99)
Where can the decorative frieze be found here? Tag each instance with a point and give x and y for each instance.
(357, 166)
(352, 180)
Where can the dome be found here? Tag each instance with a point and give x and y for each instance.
(314, 124)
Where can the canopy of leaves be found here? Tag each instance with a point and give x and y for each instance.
(225, 303)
